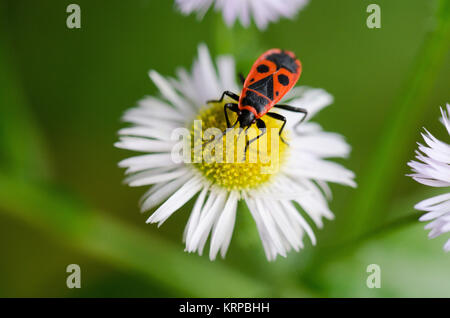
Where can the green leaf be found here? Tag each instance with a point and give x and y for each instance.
(110, 240)
(22, 147)
(411, 264)
(401, 129)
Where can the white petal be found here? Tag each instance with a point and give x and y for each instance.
(176, 201)
(296, 216)
(144, 145)
(169, 93)
(145, 132)
(323, 144)
(427, 205)
(143, 162)
(269, 247)
(205, 76)
(154, 176)
(312, 99)
(159, 109)
(160, 192)
(227, 73)
(195, 215)
(445, 118)
(321, 170)
(284, 225)
(447, 246)
(263, 11)
(223, 229)
(207, 220)
(142, 117)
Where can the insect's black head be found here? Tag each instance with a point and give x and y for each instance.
(246, 118)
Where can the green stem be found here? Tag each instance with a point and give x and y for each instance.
(388, 161)
(380, 230)
(242, 43)
(402, 206)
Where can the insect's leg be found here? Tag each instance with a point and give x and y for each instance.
(283, 119)
(297, 110)
(222, 134)
(231, 106)
(226, 93)
(261, 126)
(241, 78)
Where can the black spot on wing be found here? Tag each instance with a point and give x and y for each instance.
(283, 79)
(264, 86)
(283, 60)
(263, 68)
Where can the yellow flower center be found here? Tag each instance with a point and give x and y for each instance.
(222, 160)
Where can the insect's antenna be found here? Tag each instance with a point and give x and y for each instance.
(222, 134)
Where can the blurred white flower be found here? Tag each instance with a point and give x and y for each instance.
(263, 11)
(433, 169)
(273, 200)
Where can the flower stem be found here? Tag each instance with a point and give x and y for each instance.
(388, 160)
(243, 43)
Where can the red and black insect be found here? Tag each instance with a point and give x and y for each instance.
(272, 75)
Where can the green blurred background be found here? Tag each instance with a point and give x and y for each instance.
(62, 201)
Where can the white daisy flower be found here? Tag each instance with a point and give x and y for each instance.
(273, 199)
(432, 169)
(263, 11)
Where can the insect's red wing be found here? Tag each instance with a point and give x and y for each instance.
(284, 79)
(255, 75)
(281, 89)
